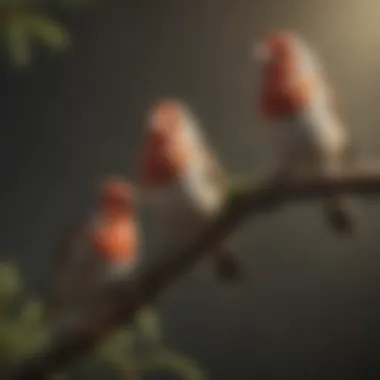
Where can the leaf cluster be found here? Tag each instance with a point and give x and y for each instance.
(28, 24)
(131, 352)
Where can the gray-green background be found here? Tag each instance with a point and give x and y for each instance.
(312, 307)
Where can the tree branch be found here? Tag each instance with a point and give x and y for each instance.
(120, 301)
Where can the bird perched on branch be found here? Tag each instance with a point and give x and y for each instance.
(102, 247)
(297, 102)
(182, 179)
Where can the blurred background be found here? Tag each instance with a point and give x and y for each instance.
(71, 112)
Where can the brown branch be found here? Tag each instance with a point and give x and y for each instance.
(119, 302)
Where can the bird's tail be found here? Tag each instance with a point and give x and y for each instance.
(341, 215)
(228, 266)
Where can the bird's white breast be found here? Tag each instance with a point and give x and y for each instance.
(191, 195)
(314, 131)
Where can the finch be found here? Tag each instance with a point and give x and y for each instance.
(297, 103)
(103, 246)
(182, 179)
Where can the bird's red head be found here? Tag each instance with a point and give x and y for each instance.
(284, 88)
(164, 155)
(165, 119)
(117, 196)
(116, 239)
(280, 49)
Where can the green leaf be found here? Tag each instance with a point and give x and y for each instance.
(117, 347)
(59, 376)
(148, 324)
(6, 342)
(11, 341)
(24, 342)
(18, 38)
(32, 313)
(49, 32)
(10, 282)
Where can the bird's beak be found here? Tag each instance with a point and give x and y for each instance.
(261, 53)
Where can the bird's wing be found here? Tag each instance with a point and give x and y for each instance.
(209, 163)
(313, 65)
(214, 169)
